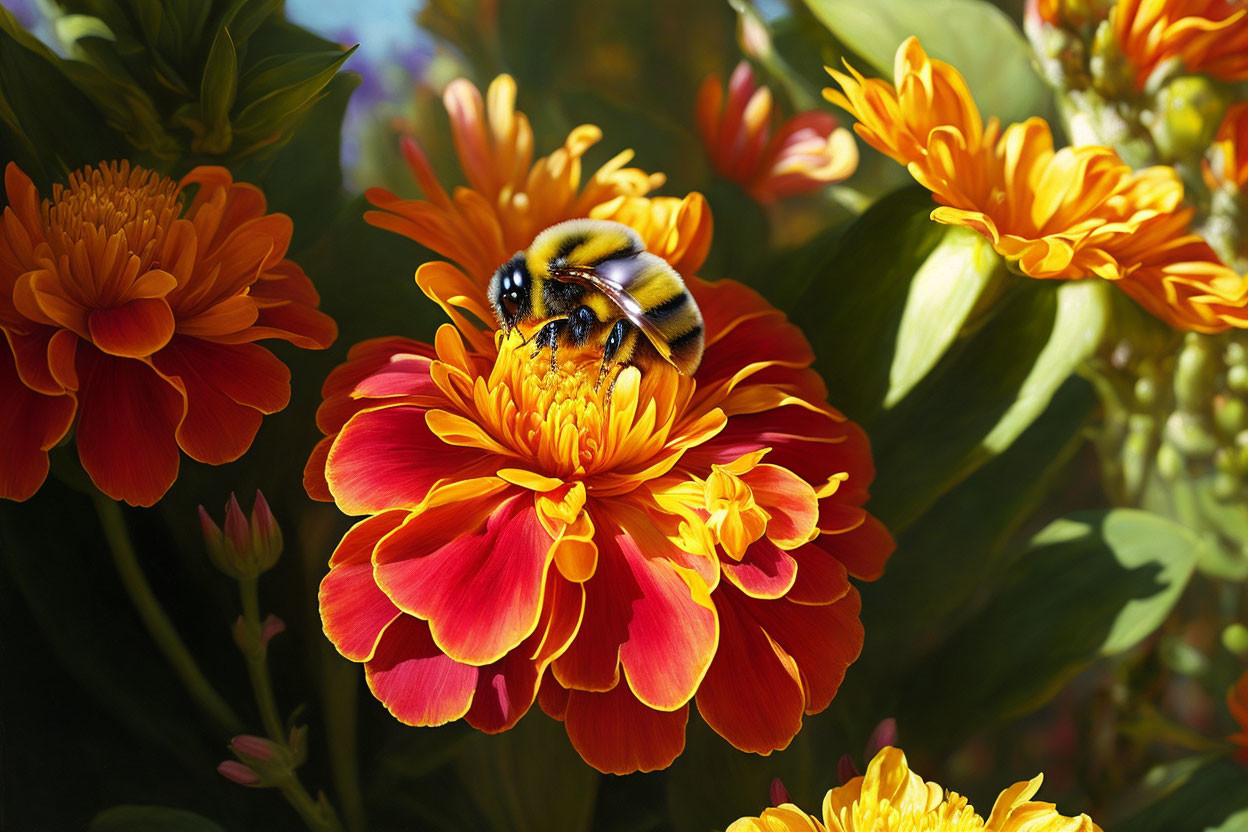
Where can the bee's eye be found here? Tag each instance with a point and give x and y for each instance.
(511, 303)
(517, 278)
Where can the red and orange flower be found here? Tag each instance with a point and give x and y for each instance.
(1068, 213)
(1209, 37)
(130, 309)
(805, 153)
(617, 559)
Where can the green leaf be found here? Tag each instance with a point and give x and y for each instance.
(943, 294)
(1093, 584)
(530, 779)
(852, 309)
(245, 16)
(216, 94)
(1082, 314)
(977, 38)
(1213, 798)
(282, 86)
(150, 819)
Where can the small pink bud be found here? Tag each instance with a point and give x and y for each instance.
(266, 535)
(212, 532)
(256, 748)
(884, 736)
(239, 773)
(272, 626)
(236, 524)
(846, 770)
(779, 794)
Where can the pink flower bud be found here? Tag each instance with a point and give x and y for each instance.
(846, 770)
(266, 535)
(272, 626)
(212, 532)
(884, 736)
(236, 525)
(239, 773)
(779, 794)
(256, 748)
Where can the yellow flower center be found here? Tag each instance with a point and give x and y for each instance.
(949, 815)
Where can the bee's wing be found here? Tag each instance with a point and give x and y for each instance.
(617, 279)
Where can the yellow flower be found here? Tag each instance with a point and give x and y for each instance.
(891, 798)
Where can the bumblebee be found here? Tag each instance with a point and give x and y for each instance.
(592, 282)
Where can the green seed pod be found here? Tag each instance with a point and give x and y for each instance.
(1190, 435)
(1169, 462)
(1195, 374)
(1225, 486)
(1237, 378)
(1145, 391)
(1230, 414)
(1187, 112)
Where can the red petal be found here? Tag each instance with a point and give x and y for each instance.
(790, 501)
(314, 471)
(135, 329)
(404, 375)
(641, 607)
(364, 359)
(765, 571)
(478, 581)
(29, 353)
(388, 458)
(228, 388)
(752, 695)
(415, 680)
(506, 688)
(354, 611)
(126, 422)
(31, 424)
(617, 734)
(864, 550)
(821, 578)
(823, 640)
(553, 697)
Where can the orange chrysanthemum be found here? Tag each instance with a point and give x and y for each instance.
(130, 309)
(684, 539)
(1237, 701)
(806, 152)
(1226, 163)
(1207, 36)
(1069, 214)
(892, 798)
(510, 198)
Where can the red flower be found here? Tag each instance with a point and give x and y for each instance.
(692, 539)
(131, 309)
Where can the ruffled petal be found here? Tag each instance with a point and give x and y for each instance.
(135, 329)
(31, 424)
(354, 610)
(417, 682)
(617, 734)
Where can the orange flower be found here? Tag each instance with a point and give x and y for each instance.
(807, 152)
(1070, 213)
(131, 309)
(511, 199)
(1207, 36)
(1237, 701)
(1226, 163)
(691, 539)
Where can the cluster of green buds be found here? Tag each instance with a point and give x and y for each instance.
(246, 548)
(1174, 438)
(204, 80)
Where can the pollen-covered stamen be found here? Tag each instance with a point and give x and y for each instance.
(97, 205)
(562, 423)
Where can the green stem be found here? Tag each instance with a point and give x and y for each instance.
(339, 682)
(156, 620)
(257, 665)
(319, 817)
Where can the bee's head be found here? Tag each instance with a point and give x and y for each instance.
(511, 292)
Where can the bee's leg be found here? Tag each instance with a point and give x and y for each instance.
(581, 325)
(548, 336)
(616, 353)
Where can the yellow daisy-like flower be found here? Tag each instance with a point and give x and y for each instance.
(1207, 36)
(892, 798)
(511, 198)
(1067, 213)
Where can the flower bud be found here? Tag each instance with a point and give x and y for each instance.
(884, 736)
(846, 770)
(1186, 113)
(779, 794)
(245, 549)
(239, 773)
(261, 762)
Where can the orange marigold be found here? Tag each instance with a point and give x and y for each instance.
(1066, 213)
(807, 152)
(1207, 36)
(892, 798)
(1226, 163)
(130, 310)
(687, 539)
